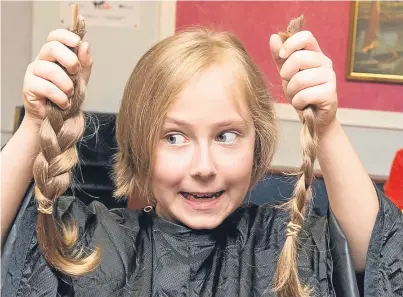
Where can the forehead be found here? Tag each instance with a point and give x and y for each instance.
(212, 94)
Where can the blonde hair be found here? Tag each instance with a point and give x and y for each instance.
(52, 170)
(155, 83)
(287, 281)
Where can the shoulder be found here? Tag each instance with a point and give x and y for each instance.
(259, 225)
(120, 233)
(96, 213)
(384, 269)
(114, 230)
(265, 229)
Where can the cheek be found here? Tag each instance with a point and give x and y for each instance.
(169, 167)
(237, 165)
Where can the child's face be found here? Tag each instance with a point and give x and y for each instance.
(206, 148)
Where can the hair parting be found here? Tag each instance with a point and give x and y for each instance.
(287, 282)
(52, 170)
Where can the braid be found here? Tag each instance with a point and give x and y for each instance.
(59, 134)
(287, 282)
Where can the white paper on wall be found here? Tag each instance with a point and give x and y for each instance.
(119, 14)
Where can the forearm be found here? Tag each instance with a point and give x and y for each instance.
(351, 193)
(16, 171)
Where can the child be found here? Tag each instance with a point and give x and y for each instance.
(196, 130)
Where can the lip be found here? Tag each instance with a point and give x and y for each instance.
(201, 193)
(203, 204)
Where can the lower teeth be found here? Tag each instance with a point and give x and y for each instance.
(200, 198)
(189, 196)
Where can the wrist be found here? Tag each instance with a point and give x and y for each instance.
(30, 123)
(329, 129)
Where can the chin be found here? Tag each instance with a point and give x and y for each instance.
(202, 217)
(203, 222)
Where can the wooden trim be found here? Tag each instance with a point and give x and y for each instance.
(167, 19)
(318, 174)
(373, 119)
(17, 113)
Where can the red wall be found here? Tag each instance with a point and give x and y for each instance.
(254, 22)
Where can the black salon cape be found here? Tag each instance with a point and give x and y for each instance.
(144, 255)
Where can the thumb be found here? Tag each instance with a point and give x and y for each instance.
(275, 45)
(85, 58)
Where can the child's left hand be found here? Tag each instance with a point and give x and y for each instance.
(307, 75)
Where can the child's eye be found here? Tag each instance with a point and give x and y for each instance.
(227, 137)
(176, 139)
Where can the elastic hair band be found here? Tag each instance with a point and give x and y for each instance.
(43, 200)
(293, 229)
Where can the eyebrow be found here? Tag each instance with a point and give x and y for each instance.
(222, 124)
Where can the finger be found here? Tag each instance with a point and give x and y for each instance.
(64, 36)
(275, 46)
(301, 60)
(43, 88)
(85, 58)
(312, 96)
(306, 79)
(298, 41)
(54, 73)
(54, 51)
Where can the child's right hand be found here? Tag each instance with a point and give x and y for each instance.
(45, 79)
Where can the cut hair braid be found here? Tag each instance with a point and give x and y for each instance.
(59, 134)
(287, 282)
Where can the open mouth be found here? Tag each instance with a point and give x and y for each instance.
(201, 196)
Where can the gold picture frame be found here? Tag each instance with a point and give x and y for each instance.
(375, 51)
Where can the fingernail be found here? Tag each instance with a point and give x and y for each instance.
(67, 107)
(282, 53)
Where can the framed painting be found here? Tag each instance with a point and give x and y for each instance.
(376, 41)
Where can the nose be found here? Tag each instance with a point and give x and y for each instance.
(202, 165)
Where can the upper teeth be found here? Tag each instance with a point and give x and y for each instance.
(203, 196)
